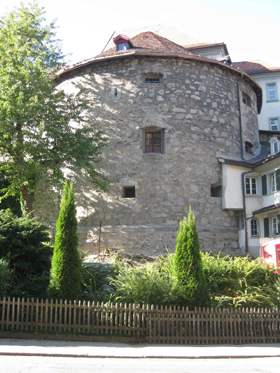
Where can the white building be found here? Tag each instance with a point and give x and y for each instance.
(269, 79)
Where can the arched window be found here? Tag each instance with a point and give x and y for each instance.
(274, 145)
(254, 228)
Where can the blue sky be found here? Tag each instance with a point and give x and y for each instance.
(250, 28)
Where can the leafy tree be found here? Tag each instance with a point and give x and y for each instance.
(12, 202)
(24, 245)
(5, 277)
(65, 282)
(188, 265)
(37, 136)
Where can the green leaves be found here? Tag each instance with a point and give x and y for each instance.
(43, 130)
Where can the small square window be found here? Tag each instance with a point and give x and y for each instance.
(216, 190)
(246, 99)
(129, 192)
(274, 124)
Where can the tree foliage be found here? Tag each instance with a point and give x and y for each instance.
(38, 138)
(65, 282)
(24, 245)
(188, 265)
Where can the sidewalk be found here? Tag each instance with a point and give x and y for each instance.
(123, 350)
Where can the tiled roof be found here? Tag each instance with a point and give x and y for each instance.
(165, 30)
(263, 157)
(276, 206)
(203, 45)
(149, 43)
(255, 67)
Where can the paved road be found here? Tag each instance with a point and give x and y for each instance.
(32, 364)
(122, 350)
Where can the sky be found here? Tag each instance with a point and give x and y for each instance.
(250, 28)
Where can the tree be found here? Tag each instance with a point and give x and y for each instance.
(38, 137)
(188, 264)
(24, 245)
(65, 282)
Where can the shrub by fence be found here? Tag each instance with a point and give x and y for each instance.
(166, 325)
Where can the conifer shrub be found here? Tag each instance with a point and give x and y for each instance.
(25, 246)
(188, 265)
(65, 281)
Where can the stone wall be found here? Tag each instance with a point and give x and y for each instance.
(196, 107)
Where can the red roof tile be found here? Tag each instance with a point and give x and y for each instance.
(255, 67)
(148, 42)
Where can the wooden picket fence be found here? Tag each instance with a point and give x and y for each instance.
(162, 325)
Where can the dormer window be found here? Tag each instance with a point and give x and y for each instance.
(274, 145)
(122, 43)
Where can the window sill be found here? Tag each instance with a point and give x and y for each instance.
(153, 154)
(272, 100)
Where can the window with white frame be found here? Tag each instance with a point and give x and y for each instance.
(274, 124)
(251, 185)
(274, 145)
(271, 92)
(273, 182)
(274, 226)
(254, 228)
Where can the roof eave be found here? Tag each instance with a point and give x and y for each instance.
(133, 52)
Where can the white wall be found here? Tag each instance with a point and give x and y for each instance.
(232, 187)
(270, 109)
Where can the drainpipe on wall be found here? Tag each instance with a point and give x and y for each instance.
(240, 120)
(244, 209)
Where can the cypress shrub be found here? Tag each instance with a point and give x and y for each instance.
(65, 282)
(188, 265)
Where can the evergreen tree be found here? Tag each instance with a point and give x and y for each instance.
(65, 282)
(24, 245)
(188, 265)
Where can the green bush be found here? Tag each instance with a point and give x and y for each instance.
(188, 266)
(65, 282)
(24, 244)
(239, 281)
(149, 284)
(5, 277)
(96, 279)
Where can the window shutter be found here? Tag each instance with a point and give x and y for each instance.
(278, 179)
(278, 224)
(266, 227)
(264, 185)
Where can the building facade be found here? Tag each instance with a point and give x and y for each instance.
(169, 116)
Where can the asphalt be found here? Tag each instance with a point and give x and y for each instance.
(24, 347)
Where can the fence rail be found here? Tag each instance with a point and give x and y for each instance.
(166, 325)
